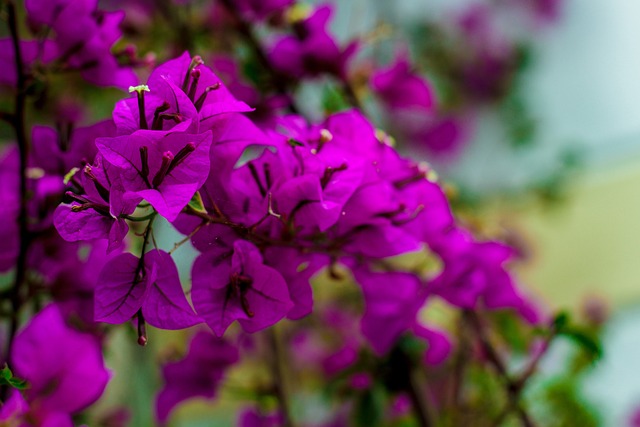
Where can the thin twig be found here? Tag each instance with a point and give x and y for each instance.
(8, 117)
(418, 402)
(351, 94)
(459, 367)
(532, 366)
(186, 238)
(512, 388)
(142, 330)
(23, 147)
(278, 380)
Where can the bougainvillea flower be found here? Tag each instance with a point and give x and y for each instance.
(197, 375)
(297, 270)
(58, 154)
(427, 212)
(444, 135)
(540, 12)
(372, 232)
(165, 305)
(16, 412)
(64, 368)
(439, 346)
(122, 288)
(31, 51)
(166, 109)
(201, 86)
(86, 45)
(475, 271)
(100, 212)
(343, 358)
(126, 284)
(42, 12)
(389, 310)
(490, 59)
(164, 169)
(311, 50)
(73, 286)
(401, 88)
(324, 178)
(14, 408)
(464, 278)
(233, 284)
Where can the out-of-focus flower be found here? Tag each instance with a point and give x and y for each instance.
(83, 39)
(198, 374)
(252, 417)
(311, 51)
(474, 272)
(400, 88)
(64, 369)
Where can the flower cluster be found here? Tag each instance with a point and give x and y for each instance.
(315, 195)
(69, 36)
(277, 207)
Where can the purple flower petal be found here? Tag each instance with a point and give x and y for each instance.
(64, 368)
(165, 305)
(121, 291)
(178, 182)
(229, 286)
(198, 374)
(83, 225)
(392, 301)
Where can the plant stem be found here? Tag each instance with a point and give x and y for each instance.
(142, 330)
(18, 123)
(513, 388)
(278, 377)
(459, 368)
(418, 402)
(351, 95)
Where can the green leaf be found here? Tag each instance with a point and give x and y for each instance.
(18, 384)
(5, 373)
(7, 378)
(333, 100)
(196, 203)
(585, 340)
(561, 320)
(412, 345)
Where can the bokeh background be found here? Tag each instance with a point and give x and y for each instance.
(582, 89)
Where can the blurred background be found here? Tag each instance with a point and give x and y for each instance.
(581, 91)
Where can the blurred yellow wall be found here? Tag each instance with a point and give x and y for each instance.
(590, 245)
